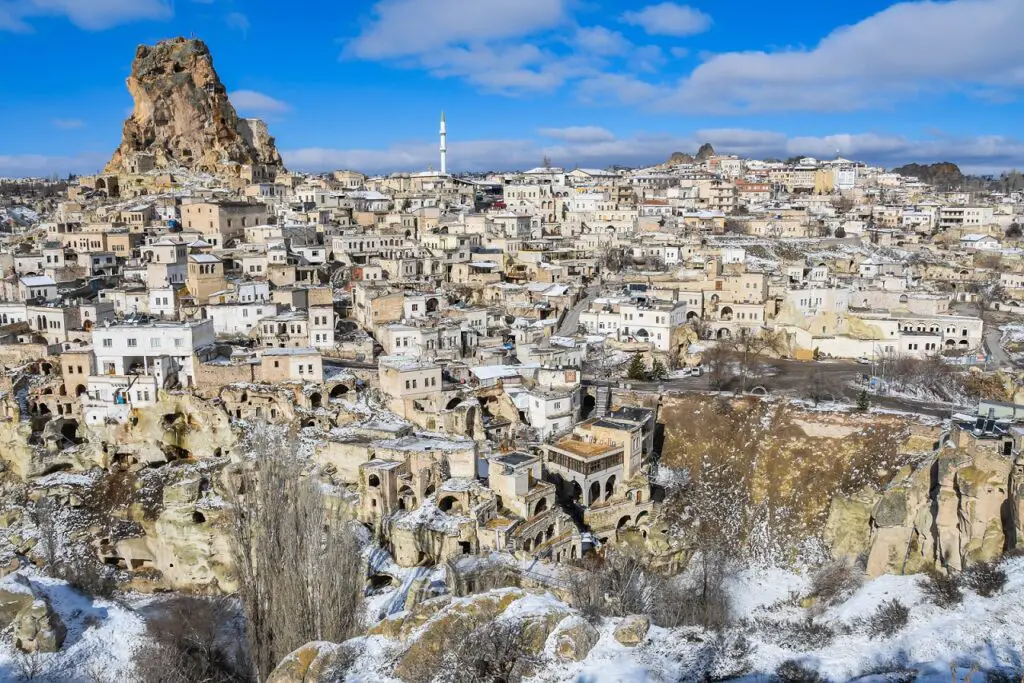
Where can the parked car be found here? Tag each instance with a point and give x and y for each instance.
(864, 360)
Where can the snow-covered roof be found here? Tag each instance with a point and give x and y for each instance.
(37, 281)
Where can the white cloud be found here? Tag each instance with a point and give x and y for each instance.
(578, 134)
(92, 15)
(25, 165)
(495, 45)
(669, 19)
(255, 102)
(599, 40)
(237, 21)
(904, 50)
(402, 28)
(68, 124)
(974, 155)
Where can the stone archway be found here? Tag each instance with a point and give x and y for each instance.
(623, 522)
(589, 403)
(609, 487)
(724, 333)
(338, 391)
(315, 400)
(576, 492)
(595, 493)
(450, 504)
(541, 506)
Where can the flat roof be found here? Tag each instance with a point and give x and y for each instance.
(515, 458)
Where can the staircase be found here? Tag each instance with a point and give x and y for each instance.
(604, 399)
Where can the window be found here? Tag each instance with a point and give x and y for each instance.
(407, 385)
(108, 343)
(179, 342)
(310, 369)
(132, 343)
(155, 342)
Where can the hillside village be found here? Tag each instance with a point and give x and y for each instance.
(489, 368)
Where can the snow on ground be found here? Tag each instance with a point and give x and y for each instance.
(986, 633)
(102, 635)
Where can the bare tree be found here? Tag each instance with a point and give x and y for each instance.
(193, 639)
(299, 569)
(820, 387)
(750, 346)
(717, 358)
(496, 652)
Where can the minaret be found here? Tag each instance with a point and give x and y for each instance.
(444, 147)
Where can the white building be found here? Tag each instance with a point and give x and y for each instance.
(152, 348)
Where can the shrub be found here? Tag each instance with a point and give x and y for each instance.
(985, 578)
(888, 619)
(798, 636)
(193, 639)
(941, 589)
(835, 581)
(496, 651)
(792, 671)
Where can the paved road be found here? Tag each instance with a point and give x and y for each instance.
(793, 378)
(572, 319)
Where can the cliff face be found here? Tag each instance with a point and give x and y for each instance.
(182, 115)
(962, 506)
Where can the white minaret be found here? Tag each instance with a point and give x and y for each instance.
(444, 147)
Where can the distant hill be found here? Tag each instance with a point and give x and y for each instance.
(705, 152)
(944, 175)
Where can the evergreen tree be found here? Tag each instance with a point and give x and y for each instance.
(862, 401)
(658, 370)
(637, 370)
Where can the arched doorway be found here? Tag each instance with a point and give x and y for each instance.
(589, 403)
(338, 391)
(609, 487)
(541, 506)
(315, 400)
(595, 493)
(576, 492)
(623, 522)
(450, 504)
(724, 333)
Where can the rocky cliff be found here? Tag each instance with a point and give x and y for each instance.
(182, 115)
(963, 505)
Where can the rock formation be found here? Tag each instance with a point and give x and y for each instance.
(705, 152)
(182, 116)
(961, 506)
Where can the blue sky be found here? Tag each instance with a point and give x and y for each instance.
(585, 82)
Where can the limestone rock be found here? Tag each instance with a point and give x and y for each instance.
(574, 638)
(316, 662)
(37, 628)
(632, 630)
(848, 530)
(11, 603)
(182, 116)
(891, 509)
(959, 508)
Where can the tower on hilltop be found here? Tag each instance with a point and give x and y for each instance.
(444, 147)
